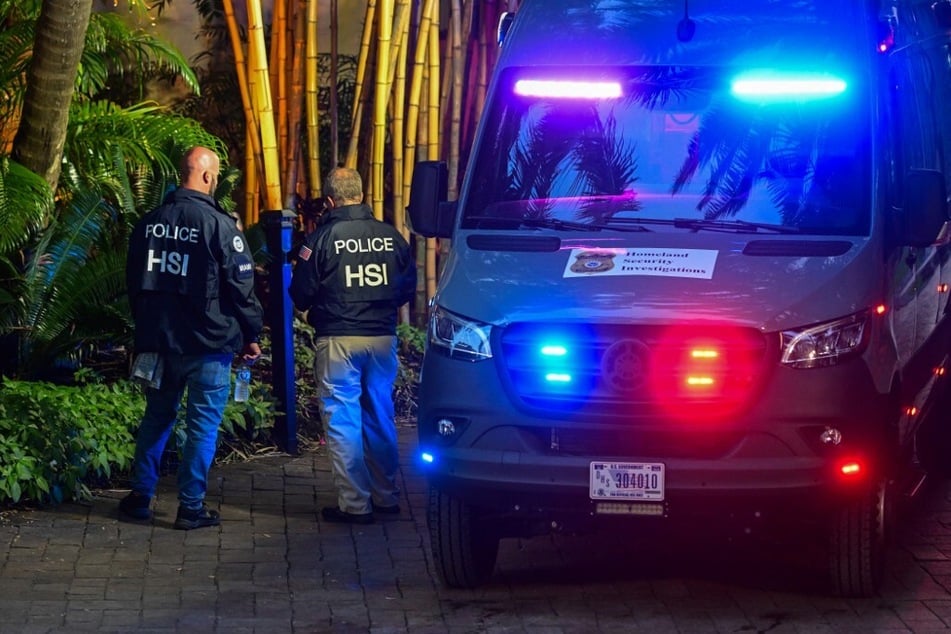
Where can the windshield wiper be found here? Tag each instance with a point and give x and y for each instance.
(737, 226)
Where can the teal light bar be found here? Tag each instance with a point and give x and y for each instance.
(773, 87)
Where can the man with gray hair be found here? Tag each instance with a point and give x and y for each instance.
(352, 274)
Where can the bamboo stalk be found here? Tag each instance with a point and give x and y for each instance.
(430, 263)
(334, 66)
(311, 103)
(458, 69)
(278, 74)
(380, 99)
(251, 192)
(261, 100)
(295, 122)
(415, 92)
(250, 118)
(435, 91)
(398, 125)
(358, 99)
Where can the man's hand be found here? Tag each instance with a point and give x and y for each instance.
(251, 352)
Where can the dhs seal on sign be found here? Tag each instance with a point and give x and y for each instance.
(593, 262)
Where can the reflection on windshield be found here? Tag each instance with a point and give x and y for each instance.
(675, 145)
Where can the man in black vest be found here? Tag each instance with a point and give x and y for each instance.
(352, 274)
(190, 279)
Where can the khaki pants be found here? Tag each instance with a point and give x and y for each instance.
(355, 377)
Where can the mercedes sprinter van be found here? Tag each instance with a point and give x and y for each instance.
(699, 268)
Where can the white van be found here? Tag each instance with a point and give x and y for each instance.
(699, 268)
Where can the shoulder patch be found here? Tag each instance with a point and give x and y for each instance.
(245, 267)
(238, 244)
(305, 253)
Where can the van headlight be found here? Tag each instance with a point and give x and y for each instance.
(825, 344)
(459, 337)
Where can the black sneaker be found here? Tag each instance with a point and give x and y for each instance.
(336, 516)
(387, 510)
(136, 506)
(188, 519)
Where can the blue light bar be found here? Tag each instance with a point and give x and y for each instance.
(558, 377)
(568, 89)
(426, 457)
(775, 86)
(554, 350)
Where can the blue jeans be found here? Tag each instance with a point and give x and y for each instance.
(208, 381)
(355, 378)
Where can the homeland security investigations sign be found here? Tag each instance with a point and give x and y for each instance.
(695, 263)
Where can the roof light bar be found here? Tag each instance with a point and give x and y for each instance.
(786, 87)
(566, 89)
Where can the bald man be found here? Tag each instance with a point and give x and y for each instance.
(190, 280)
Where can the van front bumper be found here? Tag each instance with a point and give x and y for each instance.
(776, 454)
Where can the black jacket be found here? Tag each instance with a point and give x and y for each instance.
(190, 278)
(352, 273)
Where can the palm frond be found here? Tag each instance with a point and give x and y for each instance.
(25, 204)
(93, 311)
(65, 247)
(12, 287)
(606, 165)
(16, 44)
(147, 137)
(15, 10)
(113, 48)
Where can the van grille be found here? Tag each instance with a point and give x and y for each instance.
(629, 371)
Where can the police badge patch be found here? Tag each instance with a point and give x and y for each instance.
(305, 253)
(238, 244)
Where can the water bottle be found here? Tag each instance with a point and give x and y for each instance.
(242, 384)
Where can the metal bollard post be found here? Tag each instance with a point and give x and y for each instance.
(278, 229)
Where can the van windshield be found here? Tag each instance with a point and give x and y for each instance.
(685, 147)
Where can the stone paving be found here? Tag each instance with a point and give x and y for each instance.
(273, 566)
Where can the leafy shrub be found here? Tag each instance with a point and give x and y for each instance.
(55, 440)
(412, 344)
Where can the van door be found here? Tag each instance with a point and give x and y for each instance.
(919, 301)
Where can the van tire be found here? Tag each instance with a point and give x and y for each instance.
(857, 544)
(464, 548)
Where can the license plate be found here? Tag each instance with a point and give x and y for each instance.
(627, 481)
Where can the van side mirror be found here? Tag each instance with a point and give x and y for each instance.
(430, 215)
(925, 208)
(942, 13)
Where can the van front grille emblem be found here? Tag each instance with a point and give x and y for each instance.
(625, 366)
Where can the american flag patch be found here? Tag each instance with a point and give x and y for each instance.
(305, 253)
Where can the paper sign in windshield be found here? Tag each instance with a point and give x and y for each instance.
(696, 263)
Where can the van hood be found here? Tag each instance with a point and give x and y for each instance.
(761, 282)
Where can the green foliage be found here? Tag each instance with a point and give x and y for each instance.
(113, 49)
(412, 344)
(25, 204)
(55, 440)
(248, 424)
(62, 265)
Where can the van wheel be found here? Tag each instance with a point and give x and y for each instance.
(464, 548)
(857, 545)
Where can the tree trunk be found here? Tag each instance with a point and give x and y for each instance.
(51, 78)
